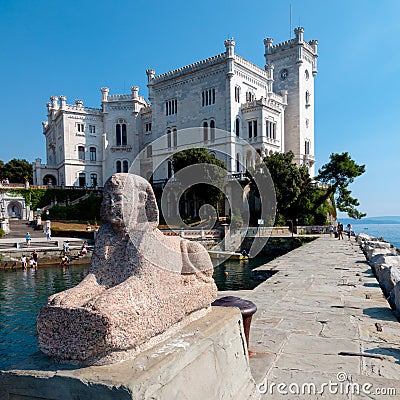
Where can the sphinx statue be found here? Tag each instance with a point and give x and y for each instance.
(140, 284)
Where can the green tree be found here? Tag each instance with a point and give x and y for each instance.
(292, 185)
(338, 173)
(296, 194)
(206, 193)
(17, 170)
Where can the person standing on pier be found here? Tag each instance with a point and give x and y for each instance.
(48, 234)
(349, 229)
(28, 239)
(23, 261)
(35, 257)
(340, 230)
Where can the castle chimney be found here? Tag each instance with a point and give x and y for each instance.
(104, 93)
(299, 32)
(79, 103)
(135, 92)
(150, 74)
(230, 48)
(54, 102)
(230, 52)
(63, 102)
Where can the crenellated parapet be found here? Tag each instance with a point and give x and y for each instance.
(176, 73)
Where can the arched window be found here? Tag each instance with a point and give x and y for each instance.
(175, 137)
(205, 131)
(170, 169)
(237, 127)
(307, 98)
(125, 166)
(237, 94)
(93, 180)
(92, 153)
(149, 150)
(118, 166)
(81, 152)
(120, 133)
(169, 139)
(212, 130)
(307, 147)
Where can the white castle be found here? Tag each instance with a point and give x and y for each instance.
(271, 108)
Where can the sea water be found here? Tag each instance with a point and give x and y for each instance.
(389, 232)
(23, 293)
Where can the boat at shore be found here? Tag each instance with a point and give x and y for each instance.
(216, 254)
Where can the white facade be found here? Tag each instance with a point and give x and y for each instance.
(271, 108)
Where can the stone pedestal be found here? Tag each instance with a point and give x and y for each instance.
(207, 359)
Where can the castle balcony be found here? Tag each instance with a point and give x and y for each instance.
(125, 148)
(309, 158)
(263, 139)
(273, 101)
(237, 176)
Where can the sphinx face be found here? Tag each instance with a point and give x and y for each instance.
(124, 202)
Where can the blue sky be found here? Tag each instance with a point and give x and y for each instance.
(73, 48)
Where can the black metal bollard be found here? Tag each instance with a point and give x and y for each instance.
(246, 307)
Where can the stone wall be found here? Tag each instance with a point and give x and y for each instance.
(384, 260)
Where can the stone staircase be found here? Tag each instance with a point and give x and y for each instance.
(18, 229)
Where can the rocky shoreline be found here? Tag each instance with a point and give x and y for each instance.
(384, 259)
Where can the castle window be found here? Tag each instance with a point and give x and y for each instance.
(92, 128)
(170, 169)
(205, 131)
(252, 128)
(237, 94)
(175, 137)
(307, 98)
(82, 179)
(208, 97)
(169, 139)
(93, 180)
(250, 96)
(171, 107)
(92, 152)
(80, 127)
(271, 130)
(306, 74)
(307, 147)
(125, 166)
(148, 127)
(237, 162)
(149, 150)
(81, 153)
(212, 130)
(118, 166)
(120, 133)
(237, 127)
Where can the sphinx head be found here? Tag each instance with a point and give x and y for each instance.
(129, 203)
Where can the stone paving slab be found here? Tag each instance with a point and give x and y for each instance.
(323, 300)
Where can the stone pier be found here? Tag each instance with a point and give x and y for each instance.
(323, 301)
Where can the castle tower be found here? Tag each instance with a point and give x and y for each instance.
(295, 66)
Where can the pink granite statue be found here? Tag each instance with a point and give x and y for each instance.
(140, 283)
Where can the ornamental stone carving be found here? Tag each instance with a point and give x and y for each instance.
(140, 284)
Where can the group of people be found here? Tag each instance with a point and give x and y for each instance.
(338, 233)
(4, 182)
(31, 261)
